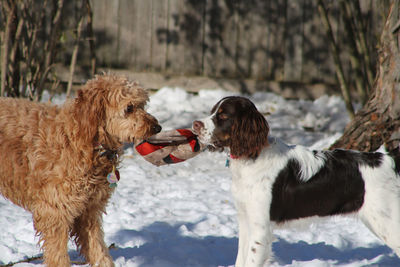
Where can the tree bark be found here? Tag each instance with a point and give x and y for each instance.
(378, 122)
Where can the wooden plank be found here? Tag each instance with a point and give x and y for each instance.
(243, 45)
(185, 36)
(175, 60)
(105, 29)
(276, 39)
(125, 51)
(294, 41)
(192, 27)
(252, 51)
(263, 39)
(142, 17)
(259, 43)
(158, 35)
(317, 57)
(220, 39)
(315, 52)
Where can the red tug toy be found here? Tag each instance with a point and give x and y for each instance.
(170, 147)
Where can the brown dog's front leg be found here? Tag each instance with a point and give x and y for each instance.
(89, 237)
(53, 231)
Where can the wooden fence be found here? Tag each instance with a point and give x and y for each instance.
(279, 40)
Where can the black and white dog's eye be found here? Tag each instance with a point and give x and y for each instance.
(129, 109)
(222, 116)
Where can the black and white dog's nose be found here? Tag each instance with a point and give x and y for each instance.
(197, 126)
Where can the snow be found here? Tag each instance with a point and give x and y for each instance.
(183, 214)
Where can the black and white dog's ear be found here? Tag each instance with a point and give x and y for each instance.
(249, 134)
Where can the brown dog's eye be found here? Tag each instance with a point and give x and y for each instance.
(129, 109)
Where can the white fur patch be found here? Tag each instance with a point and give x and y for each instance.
(310, 163)
(277, 155)
(206, 133)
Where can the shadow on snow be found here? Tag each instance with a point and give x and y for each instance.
(162, 244)
(286, 253)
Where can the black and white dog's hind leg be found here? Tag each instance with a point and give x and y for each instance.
(381, 209)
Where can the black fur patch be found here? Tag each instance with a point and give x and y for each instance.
(337, 188)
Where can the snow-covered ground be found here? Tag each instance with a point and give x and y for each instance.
(183, 214)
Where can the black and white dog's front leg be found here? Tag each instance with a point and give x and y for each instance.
(255, 235)
(259, 238)
(243, 235)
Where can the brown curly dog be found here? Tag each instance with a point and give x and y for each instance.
(54, 161)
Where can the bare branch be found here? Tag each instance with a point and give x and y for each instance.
(358, 22)
(351, 31)
(11, 13)
(89, 29)
(74, 55)
(50, 51)
(335, 53)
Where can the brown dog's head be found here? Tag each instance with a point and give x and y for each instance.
(110, 107)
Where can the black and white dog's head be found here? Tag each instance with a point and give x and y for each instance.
(235, 123)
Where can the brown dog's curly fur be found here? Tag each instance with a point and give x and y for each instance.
(50, 164)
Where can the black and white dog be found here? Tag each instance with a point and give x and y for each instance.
(274, 183)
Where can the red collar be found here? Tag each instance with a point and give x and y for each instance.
(233, 156)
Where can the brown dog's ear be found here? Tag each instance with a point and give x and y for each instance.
(249, 134)
(89, 113)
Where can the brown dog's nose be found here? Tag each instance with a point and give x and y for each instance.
(157, 128)
(197, 126)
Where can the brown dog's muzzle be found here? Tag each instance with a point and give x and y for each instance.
(155, 127)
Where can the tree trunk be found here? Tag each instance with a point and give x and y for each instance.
(378, 122)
